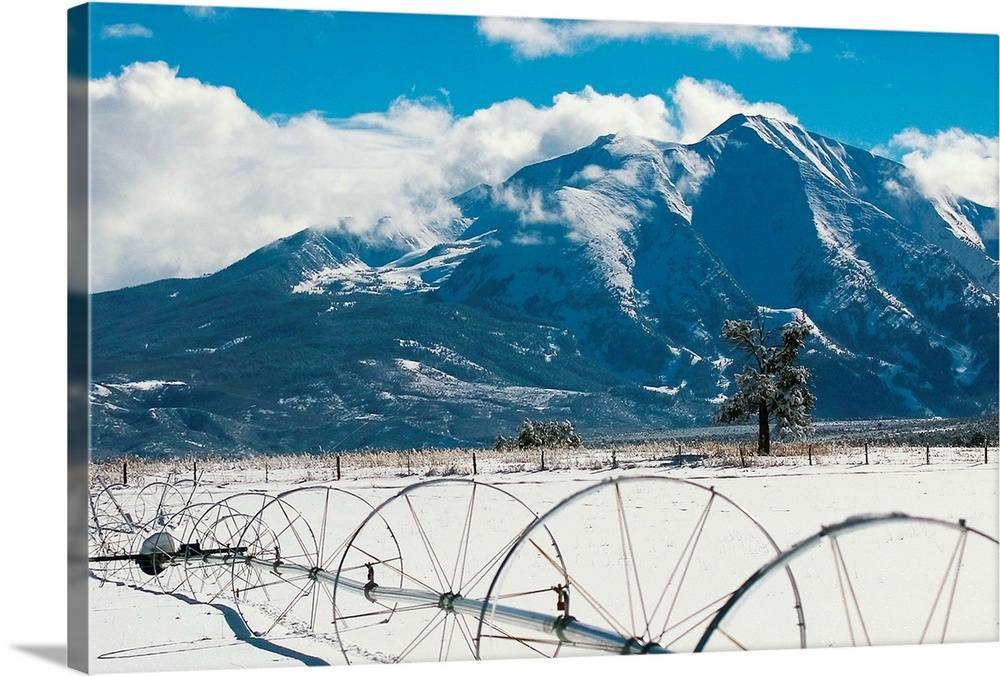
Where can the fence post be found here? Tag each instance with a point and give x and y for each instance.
(338, 467)
(810, 454)
(266, 477)
(125, 472)
(474, 468)
(543, 459)
(614, 458)
(866, 452)
(928, 454)
(986, 452)
(196, 471)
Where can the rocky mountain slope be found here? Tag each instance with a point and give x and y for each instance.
(591, 286)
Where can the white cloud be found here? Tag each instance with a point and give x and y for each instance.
(773, 43)
(493, 142)
(535, 38)
(531, 38)
(954, 160)
(703, 105)
(125, 30)
(200, 12)
(186, 178)
(204, 13)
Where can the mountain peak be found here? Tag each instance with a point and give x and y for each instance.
(762, 124)
(737, 120)
(624, 145)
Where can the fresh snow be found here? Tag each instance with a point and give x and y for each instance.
(137, 629)
(422, 270)
(672, 391)
(345, 273)
(141, 385)
(786, 137)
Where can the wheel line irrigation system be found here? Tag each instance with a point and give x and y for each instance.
(461, 569)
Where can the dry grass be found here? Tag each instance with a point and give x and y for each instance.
(468, 462)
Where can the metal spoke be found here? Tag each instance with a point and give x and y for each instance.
(305, 549)
(955, 554)
(464, 540)
(689, 548)
(628, 557)
(847, 590)
(706, 612)
(426, 631)
(954, 585)
(431, 554)
(488, 566)
(322, 530)
(466, 632)
(528, 643)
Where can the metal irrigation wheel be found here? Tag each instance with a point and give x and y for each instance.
(220, 527)
(430, 577)
(888, 579)
(169, 536)
(294, 542)
(643, 565)
(194, 491)
(112, 530)
(156, 503)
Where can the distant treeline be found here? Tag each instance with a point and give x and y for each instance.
(973, 432)
(965, 433)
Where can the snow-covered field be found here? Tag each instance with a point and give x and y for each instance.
(650, 544)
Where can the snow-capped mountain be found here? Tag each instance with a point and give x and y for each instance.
(591, 286)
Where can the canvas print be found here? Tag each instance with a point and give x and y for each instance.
(423, 338)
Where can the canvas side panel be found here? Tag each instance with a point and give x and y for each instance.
(78, 338)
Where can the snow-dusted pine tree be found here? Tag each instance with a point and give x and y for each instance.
(772, 386)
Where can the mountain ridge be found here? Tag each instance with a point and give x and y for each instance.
(619, 260)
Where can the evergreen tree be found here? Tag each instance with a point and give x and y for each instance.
(540, 433)
(771, 386)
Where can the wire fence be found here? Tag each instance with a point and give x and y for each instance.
(429, 463)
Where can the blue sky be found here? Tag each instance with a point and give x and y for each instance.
(218, 130)
(860, 86)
